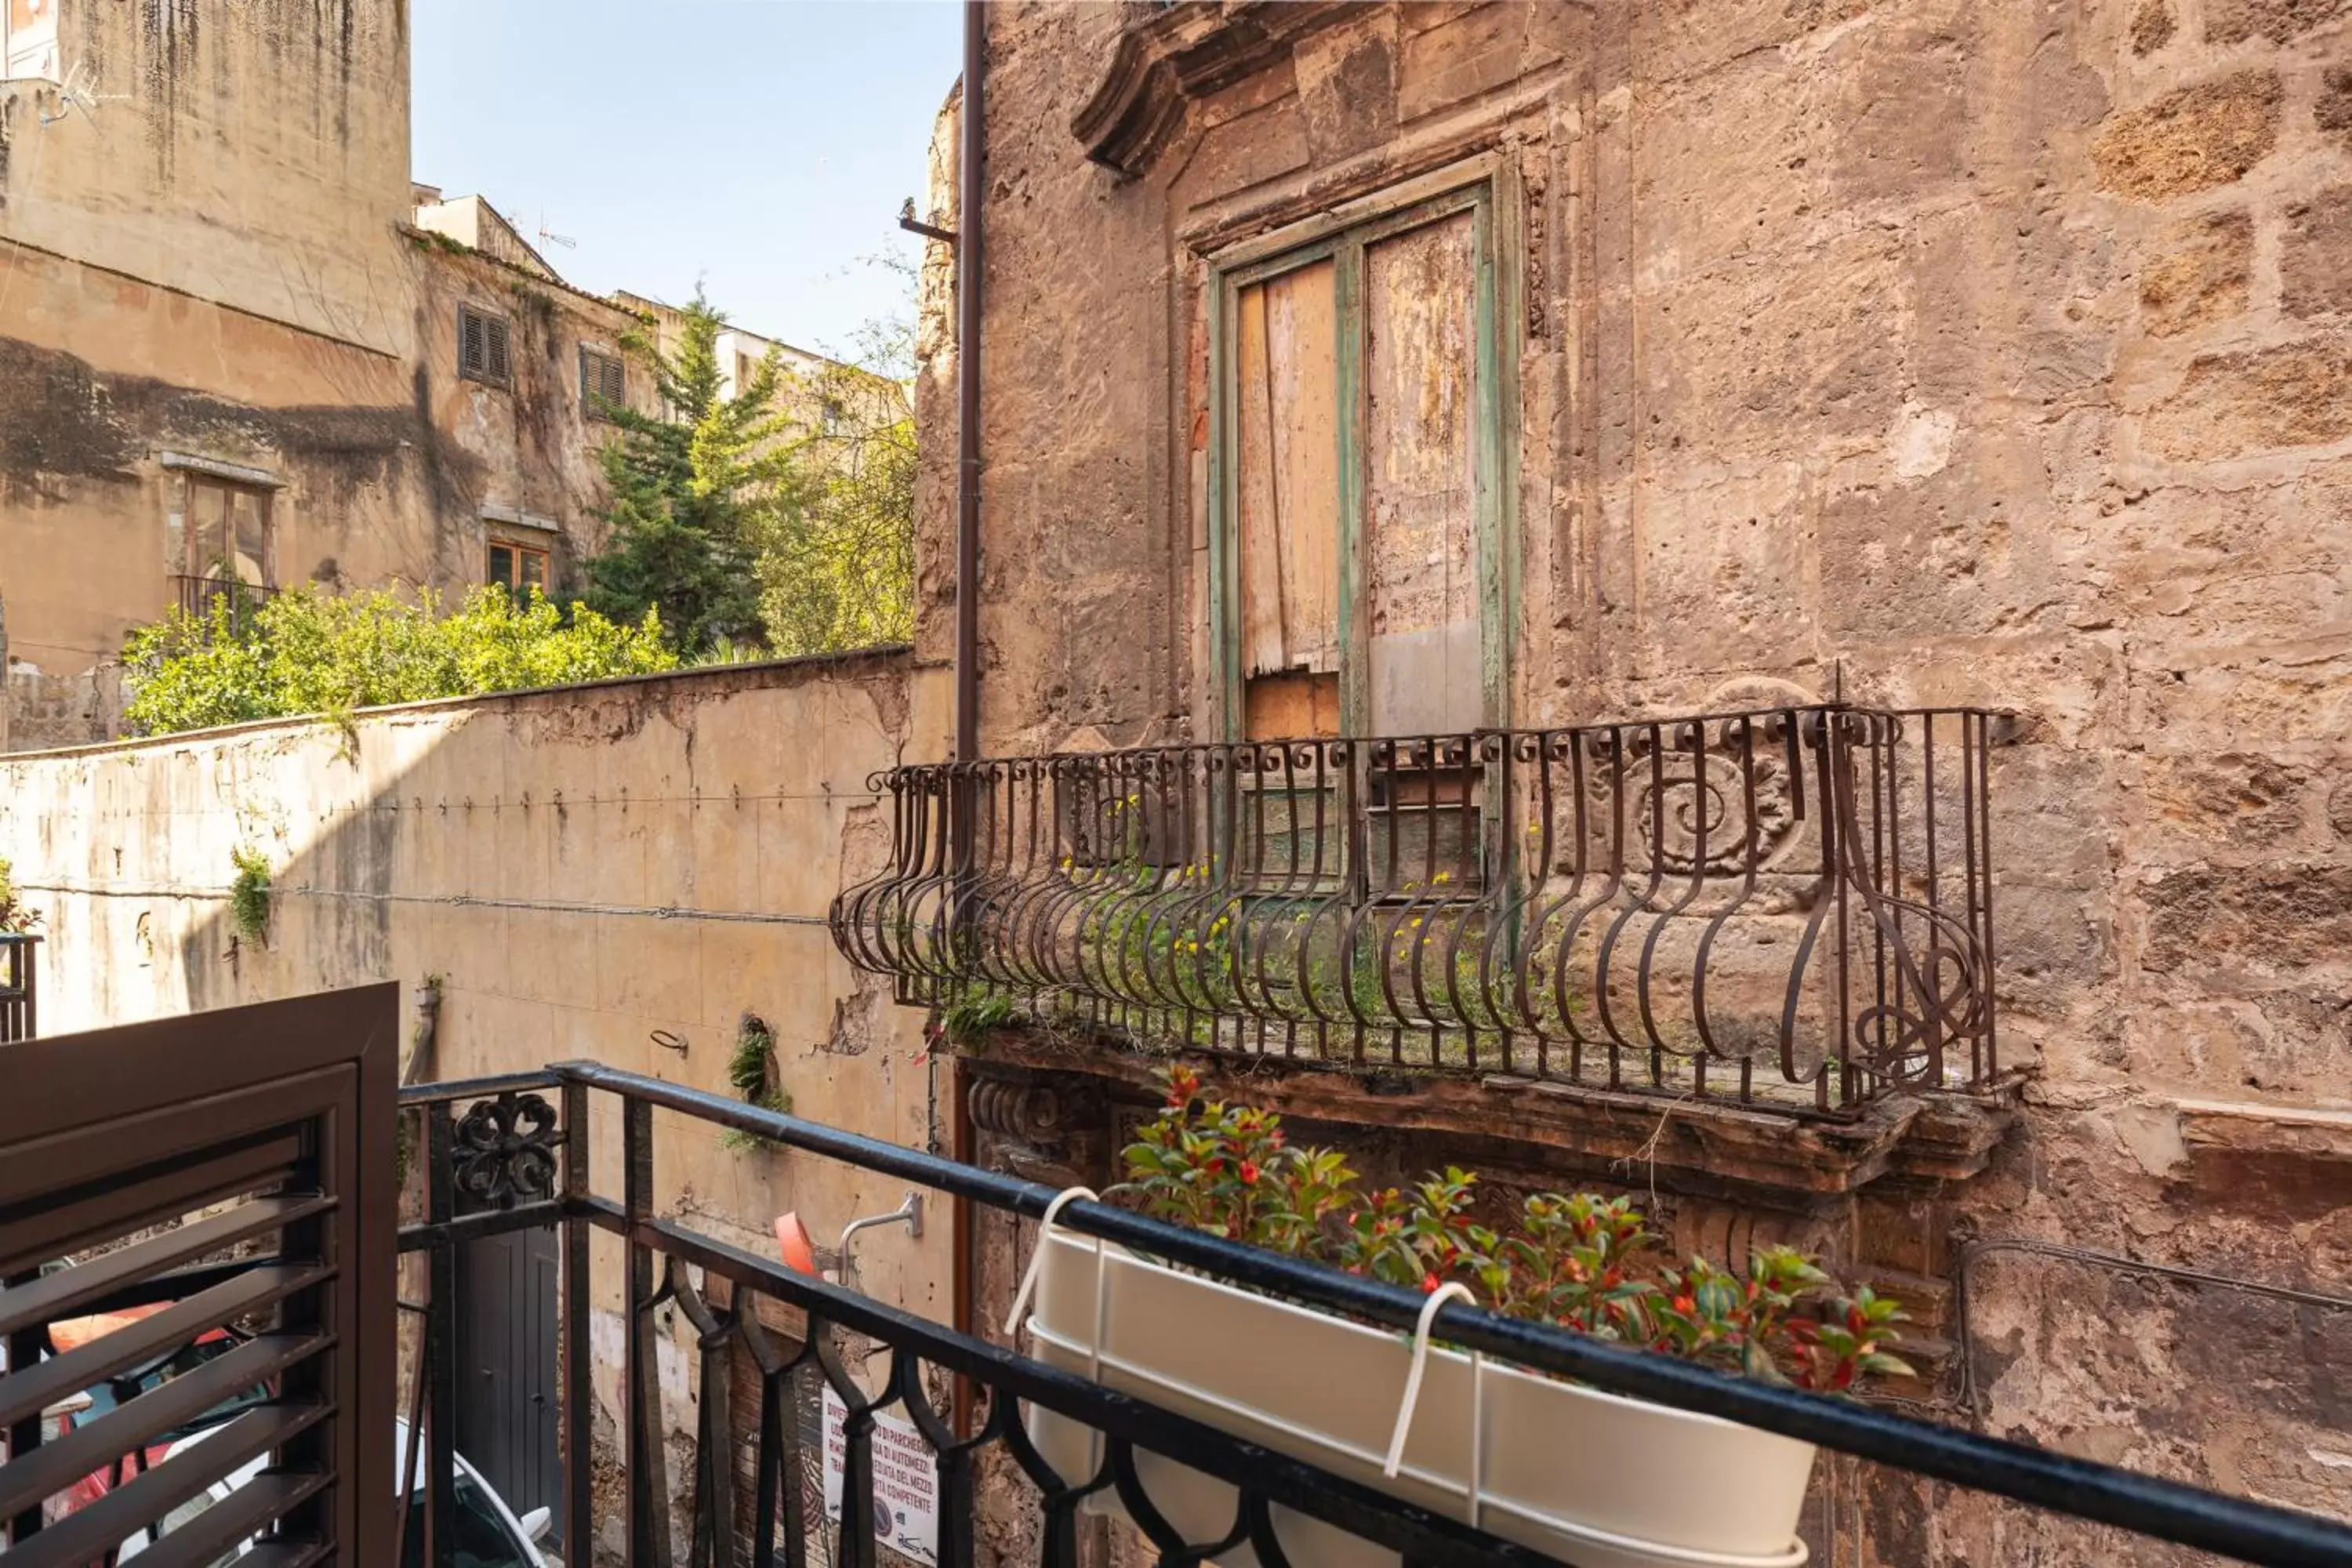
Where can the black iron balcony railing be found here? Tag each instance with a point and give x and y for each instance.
(20, 986)
(240, 600)
(504, 1156)
(1791, 906)
(206, 1235)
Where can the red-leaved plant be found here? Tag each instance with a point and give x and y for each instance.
(1586, 1262)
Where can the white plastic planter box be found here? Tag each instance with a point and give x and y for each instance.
(1591, 1478)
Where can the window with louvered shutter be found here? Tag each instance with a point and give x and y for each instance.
(482, 347)
(604, 386)
(496, 364)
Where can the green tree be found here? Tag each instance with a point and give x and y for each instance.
(694, 491)
(836, 566)
(308, 652)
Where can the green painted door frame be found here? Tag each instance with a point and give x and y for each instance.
(1484, 187)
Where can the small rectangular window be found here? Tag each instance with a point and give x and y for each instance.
(517, 568)
(483, 347)
(227, 537)
(603, 383)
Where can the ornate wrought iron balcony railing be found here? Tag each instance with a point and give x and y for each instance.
(1793, 906)
(955, 1411)
(206, 1236)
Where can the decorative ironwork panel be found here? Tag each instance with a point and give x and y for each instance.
(1790, 905)
(504, 1152)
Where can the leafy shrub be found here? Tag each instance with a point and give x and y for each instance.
(1580, 1260)
(15, 919)
(306, 652)
(975, 1015)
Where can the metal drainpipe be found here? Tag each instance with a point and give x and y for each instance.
(972, 193)
(969, 261)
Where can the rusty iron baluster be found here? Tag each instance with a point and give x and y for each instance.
(1976, 814)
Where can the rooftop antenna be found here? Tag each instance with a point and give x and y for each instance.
(549, 237)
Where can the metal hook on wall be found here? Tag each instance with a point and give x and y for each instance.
(909, 1213)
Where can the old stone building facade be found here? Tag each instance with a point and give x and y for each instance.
(228, 352)
(1411, 369)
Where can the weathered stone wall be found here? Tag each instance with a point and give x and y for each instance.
(213, 263)
(581, 870)
(254, 154)
(1943, 353)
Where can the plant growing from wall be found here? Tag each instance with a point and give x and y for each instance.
(972, 1015)
(307, 652)
(1578, 1260)
(249, 895)
(751, 1073)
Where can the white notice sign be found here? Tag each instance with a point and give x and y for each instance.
(905, 1483)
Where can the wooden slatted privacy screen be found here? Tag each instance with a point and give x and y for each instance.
(1360, 561)
(211, 1195)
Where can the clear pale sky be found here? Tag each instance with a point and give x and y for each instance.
(760, 146)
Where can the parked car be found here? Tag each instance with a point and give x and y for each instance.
(489, 1534)
(124, 1386)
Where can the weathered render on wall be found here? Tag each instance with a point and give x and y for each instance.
(618, 872)
(1922, 352)
(206, 277)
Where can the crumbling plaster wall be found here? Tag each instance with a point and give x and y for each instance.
(386, 467)
(578, 868)
(254, 154)
(1980, 354)
(211, 261)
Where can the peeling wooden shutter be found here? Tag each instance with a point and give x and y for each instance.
(496, 366)
(472, 353)
(603, 383)
(1421, 478)
(1288, 473)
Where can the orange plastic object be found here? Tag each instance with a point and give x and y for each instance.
(792, 1241)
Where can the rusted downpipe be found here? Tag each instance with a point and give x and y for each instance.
(969, 227)
(970, 254)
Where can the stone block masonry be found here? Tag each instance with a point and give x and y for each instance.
(1949, 352)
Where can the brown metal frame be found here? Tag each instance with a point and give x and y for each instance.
(275, 1122)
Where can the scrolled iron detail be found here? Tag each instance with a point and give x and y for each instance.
(1590, 904)
(502, 1151)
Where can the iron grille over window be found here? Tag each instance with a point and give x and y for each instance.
(603, 383)
(482, 347)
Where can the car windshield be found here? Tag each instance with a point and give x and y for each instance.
(106, 1395)
(483, 1538)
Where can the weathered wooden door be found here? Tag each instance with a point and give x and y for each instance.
(1361, 569)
